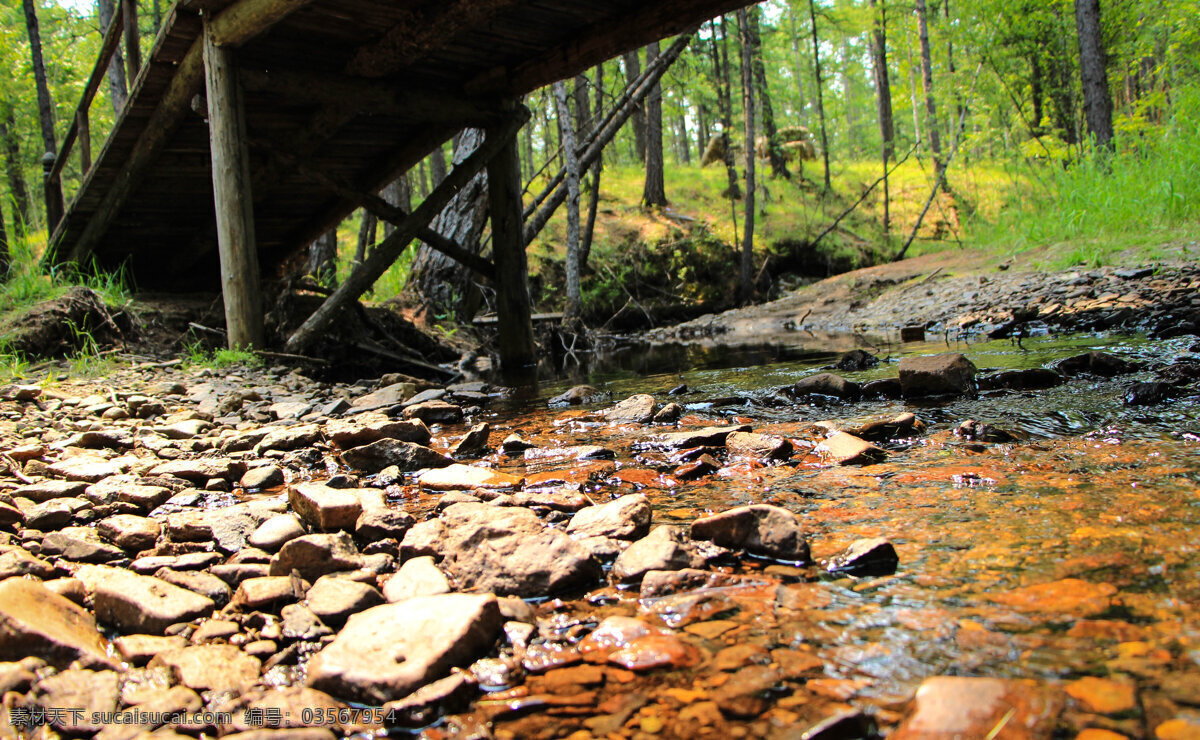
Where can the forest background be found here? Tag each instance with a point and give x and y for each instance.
(977, 111)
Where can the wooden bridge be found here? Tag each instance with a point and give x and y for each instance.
(256, 125)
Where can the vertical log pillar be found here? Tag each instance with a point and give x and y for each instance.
(232, 197)
(133, 51)
(517, 351)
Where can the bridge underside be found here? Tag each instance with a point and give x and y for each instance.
(354, 91)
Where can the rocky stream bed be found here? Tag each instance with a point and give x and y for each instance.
(930, 549)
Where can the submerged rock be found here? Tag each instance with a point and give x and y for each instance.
(867, 557)
(949, 707)
(1095, 363)
(389, 651)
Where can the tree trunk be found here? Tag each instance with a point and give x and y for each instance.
(748, 106)
(774, 150)
(16, 176)
(633, 70)
(5, 254)
(720, 59)
(398, 193)
(527, 154)
(366, 237)
(654, 192)
(45, 104)
(437, 165)
(883, 99)
(1035, 93)
(1096, 101)
(322, 259)
(797, 64)
(931, 122)
(585, 247)
(118, 90)
(571, 154)
(812, 14)
(443, 286)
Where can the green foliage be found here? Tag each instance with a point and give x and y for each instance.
(28, 282)
(196, 354)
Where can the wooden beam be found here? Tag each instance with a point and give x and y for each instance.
(246, 19)
(374, 97)
(232, 197)
(518, 352)
(420, 30)
(172, 108)
(596, 43)
(383, 210)
(386, 252)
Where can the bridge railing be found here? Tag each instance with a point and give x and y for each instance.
(80, 130)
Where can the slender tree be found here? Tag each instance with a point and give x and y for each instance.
(322, 259)
(797, 62)
(931, 122)
(366, 236)
(45, 104)
(654, 192)
(720, 60)
(633, 70)
(585, 247)
(574, 305)
(883, 98)
(1092, 67)
(5, 254)
(17, 187)
(117, 87)
(437, 164)
(816, 44)
(763, 93)
(748, 106)
(398, 193)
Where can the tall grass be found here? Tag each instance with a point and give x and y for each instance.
(1133, 201)
(29, 282)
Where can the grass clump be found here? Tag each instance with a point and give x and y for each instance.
(196, 354)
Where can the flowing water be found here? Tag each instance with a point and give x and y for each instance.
(1069, 553)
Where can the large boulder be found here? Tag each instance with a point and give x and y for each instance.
(389, 651)
(949, 373)
(760, 529)
(504, 550)
(35, 621)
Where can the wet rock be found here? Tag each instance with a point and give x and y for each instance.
(668, 414)
(273, 533)
(267, 592)
(265, 476)
(883, 388)
(416, 577)
(758, 446)
(334, 599)
(324, 508)
(545, 455)
(653, 652)
(745, 694)
(199, 582)
(407, 456)
(1037, 378)
(514, 444)
(367, 428)
(1149, 394)
(826, 384)
(580, 394)
(901, 425)
(502, 550)
(845, 725)
(50, 489)
(474, 443)
(856, 359)
(129, 532)
(388, 651)
(842, 448)
(92, 692)
(1103, 696)
(665, 582)
(702, 437)
(627, 518)
(210, 667)
(435, 412)
(638, 409)
(1068, 596)
(665, 548)
(35, 621)
(315, 555)
(866, 557)
(1095, 363)
(953, 707)
(950, 373)
(562, 500)
(704, 465)
(140, 604)
(81, 544)
(459, 477)
(978, 431)
(760, 529)
(445, 696)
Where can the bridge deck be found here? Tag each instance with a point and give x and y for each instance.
(359, 90)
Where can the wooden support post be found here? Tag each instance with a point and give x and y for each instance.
(517, 350)
(85, 141)
(52, 189)
(133, 49)
(231, 196)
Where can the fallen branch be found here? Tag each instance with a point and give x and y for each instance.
(861, 198)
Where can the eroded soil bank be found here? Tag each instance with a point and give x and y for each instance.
(751, 552)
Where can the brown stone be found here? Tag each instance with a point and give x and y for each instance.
(35, 621)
